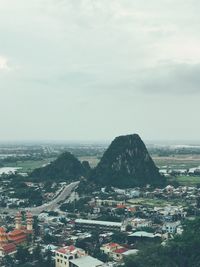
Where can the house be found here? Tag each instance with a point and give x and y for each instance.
(117, 254)
(109, 248)
(65, 254)
(71, 256)
(139, 223)
(171, 227)
(142, 235)
(133, 193)
(116, 251)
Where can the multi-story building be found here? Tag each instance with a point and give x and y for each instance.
(139, 223)
(71, 256)
(110, 247)
(170, 227)
(65, 254)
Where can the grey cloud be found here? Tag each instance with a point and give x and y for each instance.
(87, 64)
(171, 79)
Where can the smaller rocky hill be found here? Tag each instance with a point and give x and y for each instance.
(65, 168)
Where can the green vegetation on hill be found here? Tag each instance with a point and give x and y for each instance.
(65, 168)
(127, 163)
(182, 251)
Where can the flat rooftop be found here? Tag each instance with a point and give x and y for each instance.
(87, 261)
(118, 224)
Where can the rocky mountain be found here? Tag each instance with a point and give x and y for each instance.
(126, 163)
(65, 168)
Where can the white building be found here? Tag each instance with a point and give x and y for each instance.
(171, 227)
(139, 223)
(65, 254)
(71, 256)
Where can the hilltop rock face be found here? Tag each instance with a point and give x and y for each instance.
(126, 163)
(86, 166)
(65, 168)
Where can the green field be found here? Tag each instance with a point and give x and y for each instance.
(178, 162)
(188, 180)
(155, 202)
(29, 165)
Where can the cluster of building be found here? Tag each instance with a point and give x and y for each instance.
(178, 172)
(116, 251)
(71, 256)
(137, 221)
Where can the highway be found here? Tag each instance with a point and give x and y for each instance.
(50, 206)
(54, 204)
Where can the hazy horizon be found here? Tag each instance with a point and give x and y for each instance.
(96, 142)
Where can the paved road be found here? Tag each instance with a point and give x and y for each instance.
(50, 206)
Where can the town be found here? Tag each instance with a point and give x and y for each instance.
(59, 224)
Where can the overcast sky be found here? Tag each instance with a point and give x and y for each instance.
(95, 69)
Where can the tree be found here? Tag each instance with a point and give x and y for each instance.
(129, 228)
(182, 251)
(119, 237)
(49, 259)
(37, 255)
(8, 261)
(198, 202)
(36, 227)
(49, 239)
(22, 254)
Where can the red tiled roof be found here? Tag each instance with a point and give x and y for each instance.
(131, 209)
(121, 206)
(16, 232)
(65, 250)
(8, 248)
(112, 245)
(2, 230)
(71, 248)
(62, 250)
(17, 236)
